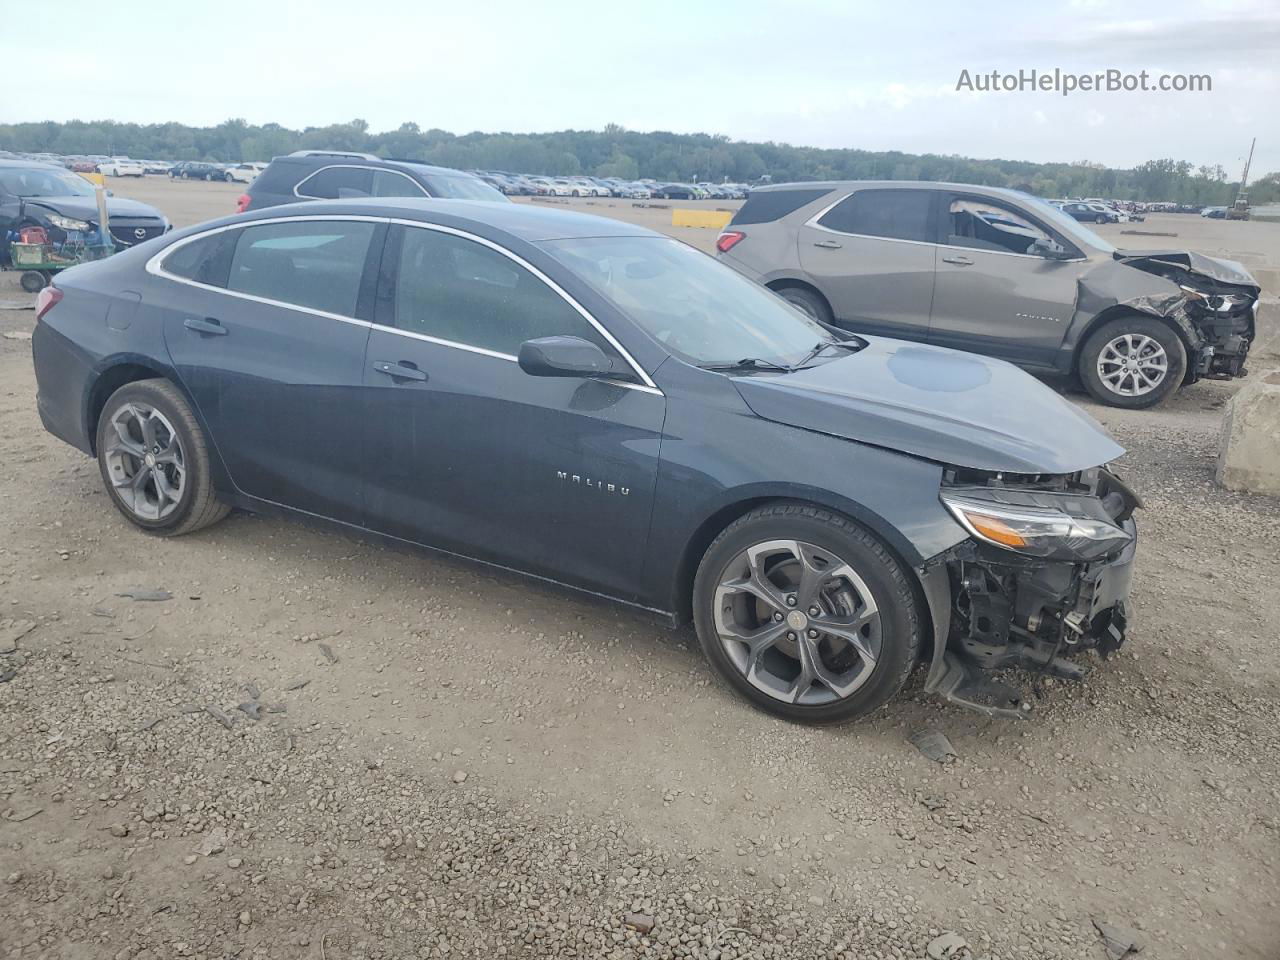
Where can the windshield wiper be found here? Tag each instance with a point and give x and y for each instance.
(748, 363)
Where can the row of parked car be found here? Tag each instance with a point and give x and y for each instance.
(527, 185)
(128, 167)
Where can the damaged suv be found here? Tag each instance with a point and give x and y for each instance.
(594, 404)
(998, 272)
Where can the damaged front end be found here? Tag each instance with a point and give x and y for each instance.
(1215, 307)
(1044, 576)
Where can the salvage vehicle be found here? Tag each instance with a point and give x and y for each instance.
(65, 208)
(335, 175)
(197, 170)
(595, 404)
(122, 167)
(1001, 273)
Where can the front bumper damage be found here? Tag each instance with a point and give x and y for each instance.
(994, 609)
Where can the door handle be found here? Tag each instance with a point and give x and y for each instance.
(958, 261)
(827, 244)
(404, 370)
(208, 325)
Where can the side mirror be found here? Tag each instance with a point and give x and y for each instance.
(563, 357)
(1049, 249)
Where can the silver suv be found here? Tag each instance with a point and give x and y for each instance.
(997, 272)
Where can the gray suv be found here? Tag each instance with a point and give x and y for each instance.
(997, 272)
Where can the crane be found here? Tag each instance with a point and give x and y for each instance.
(1240, 209)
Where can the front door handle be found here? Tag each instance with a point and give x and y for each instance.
(404, 370)
(827, 244)
(958, 261)
(208, 326)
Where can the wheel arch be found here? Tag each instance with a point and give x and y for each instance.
(794, 283)
(1186, 333)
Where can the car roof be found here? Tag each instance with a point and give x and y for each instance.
(520, 220)
(831, 185)
(27, 164)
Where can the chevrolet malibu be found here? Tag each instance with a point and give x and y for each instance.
(590, 403)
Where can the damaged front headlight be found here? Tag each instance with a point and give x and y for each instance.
(1036, 531)
(1217, 302)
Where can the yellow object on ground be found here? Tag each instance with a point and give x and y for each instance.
(716, 219)
(96, 179)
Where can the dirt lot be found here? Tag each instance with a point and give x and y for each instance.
(450, 763)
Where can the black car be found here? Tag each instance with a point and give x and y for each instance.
(330, 175)
(197, 170)
(66, 206)
(1089, 212)
(675, 191)
(600, 406)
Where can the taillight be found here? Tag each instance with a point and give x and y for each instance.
(729, 239)
(46, 300)
(242, 204)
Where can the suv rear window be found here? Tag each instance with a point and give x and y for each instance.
(333, 183)
(893, 214)
(774, 205)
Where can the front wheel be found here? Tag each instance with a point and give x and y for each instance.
(806, 614)
(1133, 362)
(154, 460)
(808, 302)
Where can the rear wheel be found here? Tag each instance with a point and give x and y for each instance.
(808, 302)
(154, 460)
(806, 614)
(1099, 219)
(1133, 362)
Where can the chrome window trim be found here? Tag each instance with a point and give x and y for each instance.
(813, 222)
(155, 267)
(354, 166)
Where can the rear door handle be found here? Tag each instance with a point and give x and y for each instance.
(827, 244)
(208, 325)
(404, 370)
(958, 261)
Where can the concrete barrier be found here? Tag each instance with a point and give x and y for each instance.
(715, 219)
(1249, 452)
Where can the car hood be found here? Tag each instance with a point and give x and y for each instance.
(86, 208)
(1223, 271)
(956, 408)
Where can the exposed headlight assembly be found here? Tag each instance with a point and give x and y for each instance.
(1036, 531)
(67, 223)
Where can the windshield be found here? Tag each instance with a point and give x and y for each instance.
(42, 182)
(699, 309)
(461, 188)
(1068, 225)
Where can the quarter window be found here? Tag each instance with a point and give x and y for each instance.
(983, 225)
(892, 214)
(315, 263)
(205, 260)
(335, 183)
(462, 291)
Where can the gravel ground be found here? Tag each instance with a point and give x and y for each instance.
(320, 748)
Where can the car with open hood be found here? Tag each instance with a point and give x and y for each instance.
(600, 406)
(65, 205)
(1001, 273)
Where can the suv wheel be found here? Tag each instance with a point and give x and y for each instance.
(806, 614)
(154, 460)
(1133, 362)
(808, 302)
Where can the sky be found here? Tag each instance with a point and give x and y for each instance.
(829, 73)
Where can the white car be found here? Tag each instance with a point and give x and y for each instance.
(560, 187)
(582, 187)
(121, 167)
(245, 172)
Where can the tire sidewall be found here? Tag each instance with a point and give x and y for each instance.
(899, 626)
(807, 302)
(147, 392)
(1159, 331)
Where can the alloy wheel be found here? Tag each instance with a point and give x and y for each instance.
(1132, 365)
(145, 460)
(798, 622)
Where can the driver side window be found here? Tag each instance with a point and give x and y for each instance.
(983, 225)
(461, 291)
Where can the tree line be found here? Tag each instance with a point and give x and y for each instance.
(617, 152)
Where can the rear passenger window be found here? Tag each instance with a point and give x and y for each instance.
(461, 291)
(315, 263)
(205, 260)
(893, 214)
(335, 183)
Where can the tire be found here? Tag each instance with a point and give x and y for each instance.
(811, 303)
(33, 281)
(196, 505)
(893, 636)
(1106, 349)
(1099, 219)
(208, 177)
